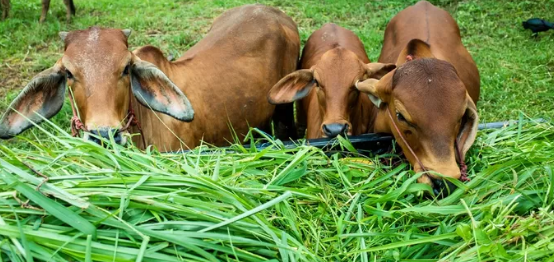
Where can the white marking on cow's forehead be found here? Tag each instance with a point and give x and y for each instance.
(258, 10)
(324, 36)
(93, 35)
(93, 62)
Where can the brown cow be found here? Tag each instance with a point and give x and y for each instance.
(70, 9)
(225, 76)
(431, 96)
(5, 6)
(333, 60)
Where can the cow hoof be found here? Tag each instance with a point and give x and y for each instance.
(443, 188)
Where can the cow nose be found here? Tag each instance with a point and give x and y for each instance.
(442, 188)
(335, 129)
(105, 133)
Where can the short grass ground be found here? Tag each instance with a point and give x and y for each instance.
(516, 69)
(287, 205)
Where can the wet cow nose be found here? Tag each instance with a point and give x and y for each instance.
(442, 188)
(333, 130)
(105, 133)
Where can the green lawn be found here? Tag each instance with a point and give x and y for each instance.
(120, 204)
(516, 69)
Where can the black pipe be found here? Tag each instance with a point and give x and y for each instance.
(367, 143)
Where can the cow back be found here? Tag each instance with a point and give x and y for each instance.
(437, 28)
(227, 75)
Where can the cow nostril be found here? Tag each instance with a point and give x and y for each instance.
(333, 130)
(117, 137)
(94, 138)
(442, 188)
(344, 129)
(97, 134)
(326, 130)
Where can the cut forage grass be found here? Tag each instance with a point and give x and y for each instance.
(275, 204)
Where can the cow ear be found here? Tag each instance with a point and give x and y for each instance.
(414, 49)
(378, 70)
(42, 98)
(377, 90)
(292, 87)
(468, 129)
(153, 89)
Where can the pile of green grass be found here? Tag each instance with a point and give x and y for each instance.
(299, 204)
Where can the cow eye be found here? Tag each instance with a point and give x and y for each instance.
(68, 74)
(125, 71)
(400, 117)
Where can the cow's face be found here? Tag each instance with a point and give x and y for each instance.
(430, 106)
(333, 79)
(103, 75)
(97, 66)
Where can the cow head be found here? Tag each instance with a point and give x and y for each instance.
(102, 74)
(333, 77)
(432, 109)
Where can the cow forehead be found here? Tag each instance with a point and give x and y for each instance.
(95, 48)
(339, 65)
(430, 90)
(95, 55)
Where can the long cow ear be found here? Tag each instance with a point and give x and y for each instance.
(42, 98)
(292, 87)
(153, 89)
(468, 130)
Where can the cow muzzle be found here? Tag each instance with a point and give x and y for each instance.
(105, 133)
(441, 187)
(334, 129)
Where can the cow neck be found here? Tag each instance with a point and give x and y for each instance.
(461, 160)
(133, 120)
(372, 116)
(77, 125)
(459, 156)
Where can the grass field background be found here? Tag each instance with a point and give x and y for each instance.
(299, 204)
(516, 69)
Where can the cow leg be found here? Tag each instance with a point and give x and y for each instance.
(5, 4)
(283, 122)
(70, 9)
(45, 7)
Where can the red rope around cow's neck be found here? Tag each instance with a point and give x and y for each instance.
(459, 155)
(461, 161)
(133, 121)
(77, 125)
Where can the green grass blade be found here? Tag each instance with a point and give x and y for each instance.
(52, 207)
